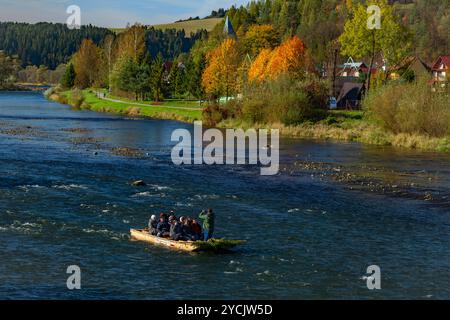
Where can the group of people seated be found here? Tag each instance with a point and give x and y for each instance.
(183, 228)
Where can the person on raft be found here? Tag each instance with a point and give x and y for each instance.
(208, 224)
(163, 227)
(153, 225)
(183, 229)
(176, 229)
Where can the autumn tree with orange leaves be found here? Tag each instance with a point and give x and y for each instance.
(220, 75)
(288, 58)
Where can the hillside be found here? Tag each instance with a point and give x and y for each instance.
(190, 26)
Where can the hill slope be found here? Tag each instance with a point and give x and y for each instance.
(188, 26)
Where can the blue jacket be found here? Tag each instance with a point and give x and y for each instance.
(163, 227)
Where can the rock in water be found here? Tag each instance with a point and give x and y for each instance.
(139, 183)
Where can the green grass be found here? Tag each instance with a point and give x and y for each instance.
(168, 102)
(91, 102)
(187, 26)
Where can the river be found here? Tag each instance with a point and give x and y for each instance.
(66, 199)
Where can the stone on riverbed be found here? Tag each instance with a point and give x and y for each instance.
(139, 183)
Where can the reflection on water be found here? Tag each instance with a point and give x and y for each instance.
(65, 203)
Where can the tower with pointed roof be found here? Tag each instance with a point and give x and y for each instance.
(228, 29)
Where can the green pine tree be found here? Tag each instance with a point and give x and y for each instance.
(157, 77)
(68, 79)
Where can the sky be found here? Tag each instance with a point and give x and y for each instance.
(111, 13)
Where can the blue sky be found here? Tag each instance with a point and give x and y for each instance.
(110, 13)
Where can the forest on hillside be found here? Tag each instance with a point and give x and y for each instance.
(49, 44)
(319, 22)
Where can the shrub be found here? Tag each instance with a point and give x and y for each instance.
(286, 100)
(77, 98)
(410, 108)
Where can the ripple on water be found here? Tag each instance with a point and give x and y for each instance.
(23, 227)
(70, 187)
(107, 233)
(66, 187)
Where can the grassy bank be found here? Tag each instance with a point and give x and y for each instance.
(350, 126)
(168, 110)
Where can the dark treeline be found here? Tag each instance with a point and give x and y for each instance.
(46, 44)
(49, 44)
(170, 42)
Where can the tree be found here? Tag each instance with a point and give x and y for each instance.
(260, 37)
(177, 79)
(220, 75)
(68, 79)
(157, 77)
(258, 68)
(128, 77)
(49, 44)
(108, 46)
(143, 78)
(88, 64)
(195, 69)
(288, 58)
(8, 66)
(131, 43)
(391, 40)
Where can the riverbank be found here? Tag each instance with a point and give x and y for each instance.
(169, 110)
(348, 126)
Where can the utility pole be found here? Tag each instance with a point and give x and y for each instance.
(334, 71)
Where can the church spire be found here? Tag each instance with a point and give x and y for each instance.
(228, 29)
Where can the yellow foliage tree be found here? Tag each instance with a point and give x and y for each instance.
(220, 75)
(131, 43)
(89, 65)
(260, 37)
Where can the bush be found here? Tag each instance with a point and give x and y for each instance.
(215, 112)
(410, 108)
(77, 98)
(285, 100)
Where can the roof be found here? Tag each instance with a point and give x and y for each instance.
(355, 65)
(228, 28)
(351, 91)
(408, 62)
(441, 60)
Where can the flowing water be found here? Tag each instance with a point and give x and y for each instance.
(66, 199)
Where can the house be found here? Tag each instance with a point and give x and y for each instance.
(441, 71)
(348, 84)
(350, 96)
(351, 69)
(412, 65)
